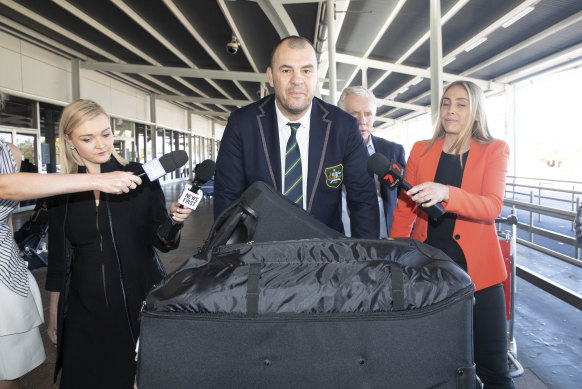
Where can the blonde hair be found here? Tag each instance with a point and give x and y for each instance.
(476, 127)
(74, 115)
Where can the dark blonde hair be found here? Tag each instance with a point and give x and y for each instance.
(476, 127)
(74, 115)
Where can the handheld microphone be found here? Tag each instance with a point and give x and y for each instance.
(391, 174)
(190, 198)
(157, 168)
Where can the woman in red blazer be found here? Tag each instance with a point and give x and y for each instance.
(463, 167)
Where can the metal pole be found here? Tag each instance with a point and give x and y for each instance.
(539, 200)
(436, 59)
(76, 78)
(154, 128)
(331, 51)
(531, 216)
(364, 77)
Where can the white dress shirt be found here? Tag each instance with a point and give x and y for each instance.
(302, 142)
(346, 212)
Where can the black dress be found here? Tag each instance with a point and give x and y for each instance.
(97, 342)
(102, 261)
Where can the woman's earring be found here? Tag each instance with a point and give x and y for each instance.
(72, 147)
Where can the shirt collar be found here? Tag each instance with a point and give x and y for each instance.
(370, 144)
(282, 120)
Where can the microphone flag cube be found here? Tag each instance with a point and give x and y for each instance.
(190, 199)
(153, 169)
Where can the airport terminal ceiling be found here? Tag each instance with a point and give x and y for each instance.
(210, 55)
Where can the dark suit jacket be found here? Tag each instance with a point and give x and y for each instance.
(392, 151)
(249, 152)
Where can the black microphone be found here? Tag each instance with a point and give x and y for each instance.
(391, 174)
(203, 172)
(157, 168)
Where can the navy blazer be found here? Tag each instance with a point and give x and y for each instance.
(392, 151)
(249, 152)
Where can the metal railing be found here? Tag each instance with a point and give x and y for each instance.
(548, 191)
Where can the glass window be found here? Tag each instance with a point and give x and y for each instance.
(6, 136)
(140, 142)
(159, 142)
(124, 144)
(18, 112)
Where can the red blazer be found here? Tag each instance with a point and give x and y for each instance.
(477, 203)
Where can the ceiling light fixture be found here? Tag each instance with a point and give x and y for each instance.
(517, 17)
(475, 44)
(416, 81)
(448, 61)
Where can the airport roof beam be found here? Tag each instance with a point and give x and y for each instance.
(389, 19)
(176, 71)
(456, 8)
(278, 16)
(411, 70)
(397, 104)
(194, 32)
(202, 100)
(62, 31)
(160, 38)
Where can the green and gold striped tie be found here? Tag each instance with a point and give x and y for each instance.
(293, 173)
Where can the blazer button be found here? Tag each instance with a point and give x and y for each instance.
(457, 237)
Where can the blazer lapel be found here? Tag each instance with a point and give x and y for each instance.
(319, 129)
(269, 138)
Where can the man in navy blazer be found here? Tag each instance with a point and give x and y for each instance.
(361, 103)
(254, 145)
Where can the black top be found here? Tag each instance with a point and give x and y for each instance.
(120, 234)
(440, 232)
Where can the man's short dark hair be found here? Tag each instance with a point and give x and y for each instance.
(295, 42)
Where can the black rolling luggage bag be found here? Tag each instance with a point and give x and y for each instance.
(312, 313)
(264, 215)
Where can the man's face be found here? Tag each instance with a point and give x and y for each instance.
(363, 109)
(293, 74)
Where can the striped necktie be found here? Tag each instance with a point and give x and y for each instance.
(293, 174)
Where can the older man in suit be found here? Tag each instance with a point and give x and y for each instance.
(302, 146)
(361, 103)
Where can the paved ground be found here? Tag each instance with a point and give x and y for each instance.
(549, 340)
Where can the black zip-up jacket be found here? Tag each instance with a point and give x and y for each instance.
(134, 218)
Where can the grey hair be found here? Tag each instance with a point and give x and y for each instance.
(356, 90)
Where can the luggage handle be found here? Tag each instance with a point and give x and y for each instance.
(397, 278)
(253, 288)
(252, 295)
(240, 229)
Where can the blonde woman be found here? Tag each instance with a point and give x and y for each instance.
(21, 313)
(102, 259)
(463, 168)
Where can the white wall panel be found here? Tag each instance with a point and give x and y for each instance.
(10, 69)
(42, 79)
(9, 42)
(36, 71)
(94, 89)
(168, 115)
(201, 126)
